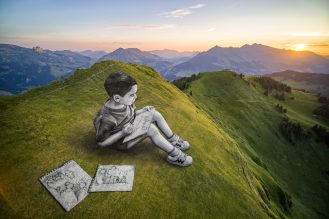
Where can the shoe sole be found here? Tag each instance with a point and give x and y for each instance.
(178, 164)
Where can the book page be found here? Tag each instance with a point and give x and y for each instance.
(68, 184)
(113, 178)
(141, 125)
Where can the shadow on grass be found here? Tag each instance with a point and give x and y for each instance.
(85, 139)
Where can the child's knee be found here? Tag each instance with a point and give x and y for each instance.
(157, 115)
(153, 130)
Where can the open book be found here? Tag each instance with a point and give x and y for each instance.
(68, 184)
(141, 125)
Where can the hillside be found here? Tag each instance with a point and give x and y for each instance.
(22, 68)
(311, 82)
(47, 126)
(299, 168)
(255, 59)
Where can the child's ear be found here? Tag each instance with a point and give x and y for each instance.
(116, 97)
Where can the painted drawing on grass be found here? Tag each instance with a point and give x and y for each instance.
(113, 178)
(68, 184)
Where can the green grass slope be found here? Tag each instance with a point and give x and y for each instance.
(293, 176)
(48, 126)
(311, 82)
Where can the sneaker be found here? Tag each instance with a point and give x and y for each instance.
(179, 143)
(181, 159)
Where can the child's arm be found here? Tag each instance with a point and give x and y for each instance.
(146, 108)
(115, 137)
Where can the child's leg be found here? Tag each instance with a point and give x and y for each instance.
(164, 127)
(156, 137)
(175, 155)
(162, 124)
(132, 143)
(159, 140)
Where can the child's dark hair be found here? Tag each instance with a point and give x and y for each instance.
(119, 83)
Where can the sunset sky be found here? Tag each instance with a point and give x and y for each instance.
(174, 24)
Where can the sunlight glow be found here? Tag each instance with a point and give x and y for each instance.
(299, 47)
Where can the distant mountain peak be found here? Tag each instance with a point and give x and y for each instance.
(216, 47)
(254, 45)
(127, 50)
(257, 44)
(38, 49)
(134, 49)
(137, 56)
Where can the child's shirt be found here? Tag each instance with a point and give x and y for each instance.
(109, 121)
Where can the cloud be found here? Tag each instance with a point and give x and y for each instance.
(308, 45)
(309, 34)
(211, 29)
(180, 13)
(159, 26)
(144, 26)
(176, 13)
(197, 6)
(318, 45)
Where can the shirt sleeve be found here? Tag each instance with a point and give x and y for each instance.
(104, 126)
(133, 109)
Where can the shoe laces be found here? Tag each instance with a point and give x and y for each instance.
(180, 141)
(181, 157)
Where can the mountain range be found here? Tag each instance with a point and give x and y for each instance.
(253, 59)
(23, 68)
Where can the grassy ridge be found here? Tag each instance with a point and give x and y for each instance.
(47, 126)
(285, 172)
(312, 82)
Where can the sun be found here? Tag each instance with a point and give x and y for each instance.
(299, 47)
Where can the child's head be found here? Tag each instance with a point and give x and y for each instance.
(121, 87)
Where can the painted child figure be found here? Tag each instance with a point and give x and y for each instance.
(115, 121)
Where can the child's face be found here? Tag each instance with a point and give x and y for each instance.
(130, 97)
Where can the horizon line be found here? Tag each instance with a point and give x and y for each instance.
(174, 49)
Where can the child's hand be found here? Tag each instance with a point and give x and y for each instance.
(148, 108)
(128, 129)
